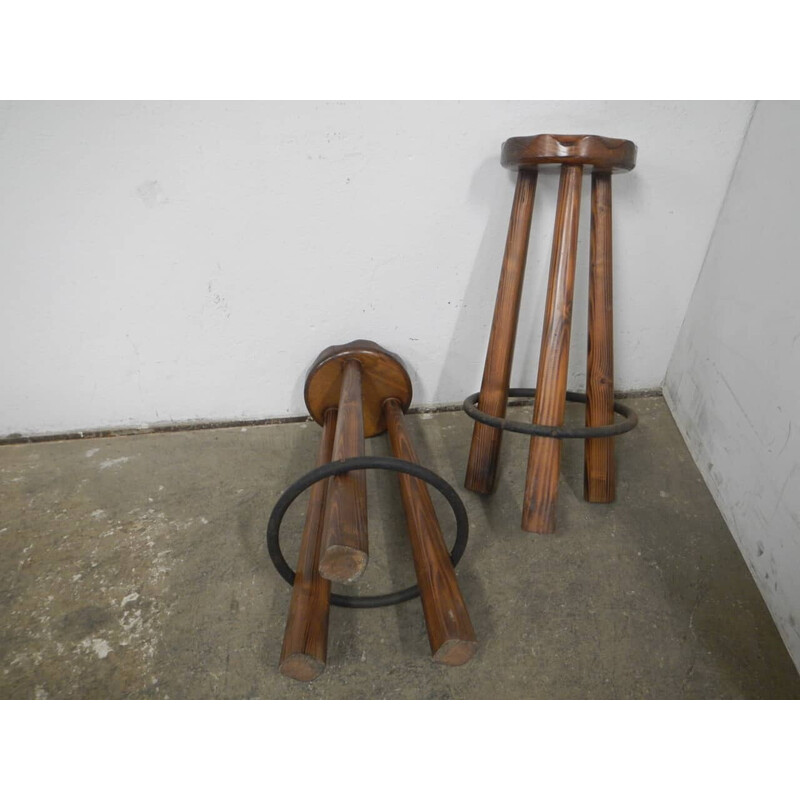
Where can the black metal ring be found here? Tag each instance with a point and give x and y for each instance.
(291, 493)
(553, 431)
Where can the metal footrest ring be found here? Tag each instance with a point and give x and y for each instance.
(553, 431)
(291, 493)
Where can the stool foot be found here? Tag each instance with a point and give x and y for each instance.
(450, 631)
(541, 488)
(544, 456)
(305, 639)
(485, 448)
(599, 474)
(344, 541)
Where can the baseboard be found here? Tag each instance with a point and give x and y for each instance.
(106, 433)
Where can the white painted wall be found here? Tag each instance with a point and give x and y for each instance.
(733, 382)
(178, 261)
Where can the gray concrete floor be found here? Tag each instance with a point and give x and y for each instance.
(134, 567)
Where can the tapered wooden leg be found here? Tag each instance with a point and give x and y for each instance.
(598, 473)
(450, 631)
(305, 639)
(344, 541)
(544, 458)
(485, 448)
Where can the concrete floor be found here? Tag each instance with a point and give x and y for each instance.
(134, 567)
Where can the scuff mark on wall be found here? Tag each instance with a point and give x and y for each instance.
(152, 194)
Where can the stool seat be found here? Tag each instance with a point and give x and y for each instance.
(384, 376)
(598, 152)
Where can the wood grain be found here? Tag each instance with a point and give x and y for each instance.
(544, 456)
(345, 550)
(450, 631)
(598, 152)
(485, 448)
(305, 638)
(599, 481)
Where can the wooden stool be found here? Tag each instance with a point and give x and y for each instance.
(353, 391)
(574, 154)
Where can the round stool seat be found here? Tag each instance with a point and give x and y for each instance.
(599, 152)
(384, 376)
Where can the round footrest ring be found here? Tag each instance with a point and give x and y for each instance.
(553, 431)
(291, 493)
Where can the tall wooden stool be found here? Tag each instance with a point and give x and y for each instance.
(574, 154)
(353, 391)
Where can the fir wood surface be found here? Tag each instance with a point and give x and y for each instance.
(305, 639)
(345, 549)
(450, 631)
(599, 475)
(485, 447)
(544, 455)
(592, 152)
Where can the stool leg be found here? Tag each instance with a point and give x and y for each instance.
(450, 631)
(305, 639)
(598, 472)
(544, 458)
(485, 448)
(344, 539)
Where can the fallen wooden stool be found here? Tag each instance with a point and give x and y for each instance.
(573, 154)
(353, 391)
